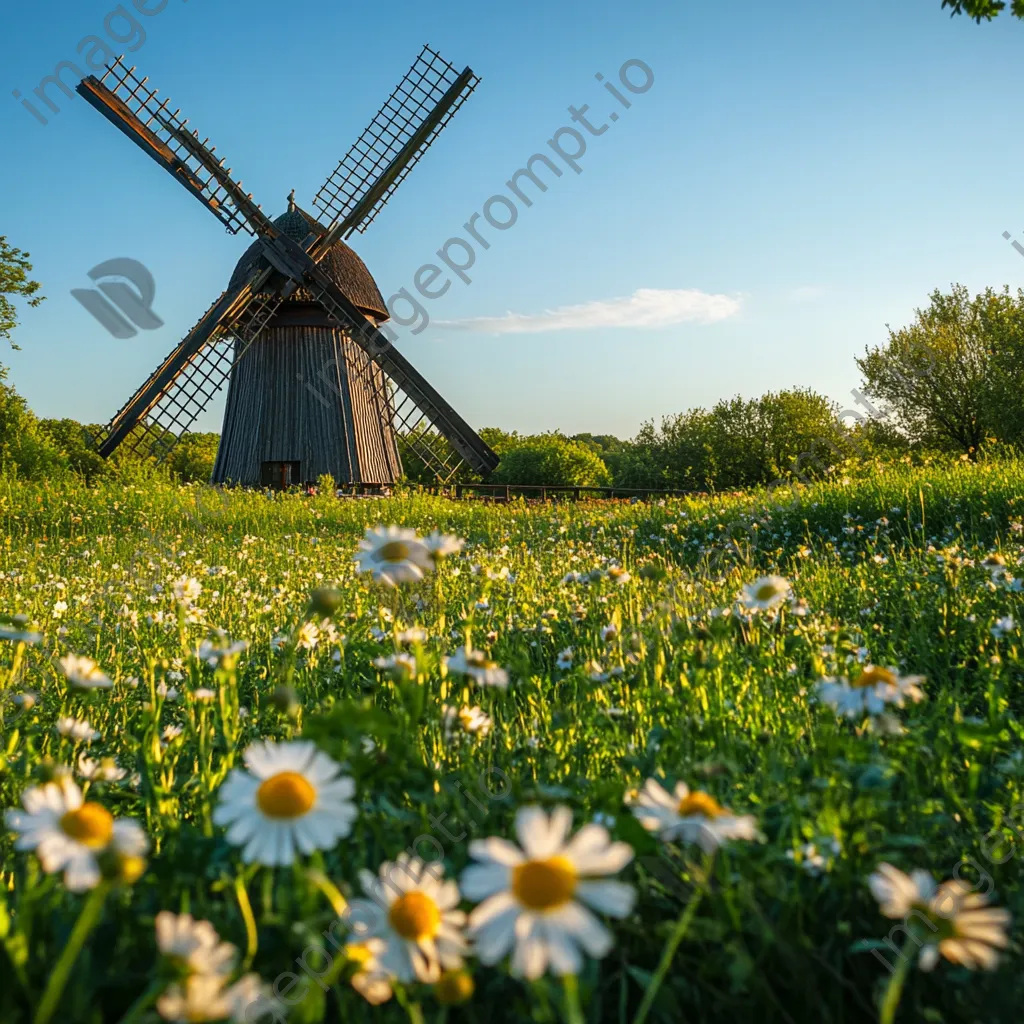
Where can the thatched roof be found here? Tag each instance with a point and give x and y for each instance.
(346, 269)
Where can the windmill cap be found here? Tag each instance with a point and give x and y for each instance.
(340, 263)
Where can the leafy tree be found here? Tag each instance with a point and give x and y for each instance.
(73, 442)
(955, 375)
(983, 10)
(14, 280)
(551, 459)
(192, 458)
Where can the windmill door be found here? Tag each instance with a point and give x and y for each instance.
(280, 475)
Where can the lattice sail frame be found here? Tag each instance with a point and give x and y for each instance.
(168, 134)
(400, 133)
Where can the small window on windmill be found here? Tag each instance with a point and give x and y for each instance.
(280, 475)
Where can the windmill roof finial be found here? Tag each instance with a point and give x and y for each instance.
(291, 201)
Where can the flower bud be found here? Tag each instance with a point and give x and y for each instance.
(325, 601)
(454, 987)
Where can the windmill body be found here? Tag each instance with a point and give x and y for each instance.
(307, 400)
(314, 386)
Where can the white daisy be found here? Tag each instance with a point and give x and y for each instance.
(68, 833)
(187, 590)
(393, 555)
(83, 673)
(106, 770)
(219, 652)
(77, 729)
(193, 946)
(766, 593)
(398, 666)
(418, 923)
(26, 700)
(693, 816)
(949, 920)
(204, 997)
(441, 545)
(371, 981)
(870, 692)
(564, 659)
(539, 896)
(307, 637)
(293, 796)
(468, 720)
(476, 665)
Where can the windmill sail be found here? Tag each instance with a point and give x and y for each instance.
(400, 133)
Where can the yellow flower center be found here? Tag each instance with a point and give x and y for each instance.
(702, 804)
(415, 916)
(872, 676)
(394, 551)
(285, 795)
(91, 825)
(544, 884)
(359, 953)
(766, 592)
(454, 987)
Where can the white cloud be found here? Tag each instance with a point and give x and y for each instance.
(645, 308)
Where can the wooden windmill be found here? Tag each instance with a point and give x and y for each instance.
(314, 385)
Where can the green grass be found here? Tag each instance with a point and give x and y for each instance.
(722, 702)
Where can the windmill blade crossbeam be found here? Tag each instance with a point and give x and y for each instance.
(180, 389)
(393, 143)
(127, 102)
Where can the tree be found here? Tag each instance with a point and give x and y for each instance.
(551, 459)
(983, 10)
(14, 280)
(955, 375)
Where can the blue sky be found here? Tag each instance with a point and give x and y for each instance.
(797, 176)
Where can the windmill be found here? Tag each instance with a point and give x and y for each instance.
(314, 385)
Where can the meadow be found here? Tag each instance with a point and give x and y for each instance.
(820, 681)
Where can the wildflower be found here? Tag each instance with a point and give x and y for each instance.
(307, 637)
(171, 732)
(278, 642)
(564, 659)
(204, 997)
(69, 834)
(26, 700)
(420, 928)
(596, 673)
(393, 555)
(167, 692)
(441, 545)
(398, 666)
(470, 720)
(618, 575)
(765, 593)
(83, 673)
(203, 693)
(187, 590)
(538, 897)
(77, 729)
(609, 632)
(218, 652)
(1003, 626)
(870, 692)
(371, 981)
(995, 565)
(476, 665)
(693, 816)
(413, 635)
(292, 796)
(106, 770)
(193, 947)
(960, 924)
(454, 988)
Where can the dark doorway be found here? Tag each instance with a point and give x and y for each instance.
(280, 475)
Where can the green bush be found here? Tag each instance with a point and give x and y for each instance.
(551, 459)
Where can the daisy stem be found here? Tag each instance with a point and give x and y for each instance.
(143, 1002)
(891, 999)
(251, 936)
(58, 979)
(573, 1010)
(679, 932)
